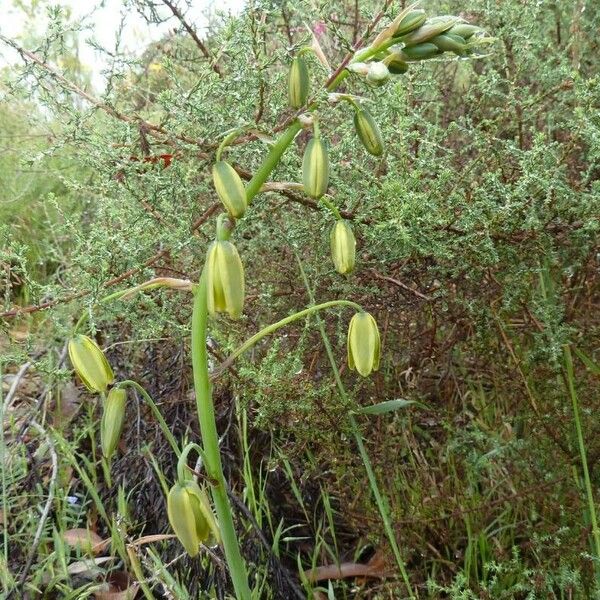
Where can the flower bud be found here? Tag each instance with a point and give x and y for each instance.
(421, 51)
(225, 279)
(230, 189)
(429, 30)
(315, 168)
(413, 20)
(343, 247)
(112, 420)
(378, 73)
(449, 42)
(368, 131)
(465, 30)
(298, 83)
(186, 515)
(90, 363)
(364, 344)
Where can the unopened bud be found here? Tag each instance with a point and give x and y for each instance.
(90, 364)
(364, 344)
(112, 420)
(298, 83)
(429, 30)
(230, 189)
(378, 73)
(368, 131)
(225, 279)
(413, 20)
(343, 247)
(450, 42)
(315, 168)
(421, 51)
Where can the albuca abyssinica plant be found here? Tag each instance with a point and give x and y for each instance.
(410, 37)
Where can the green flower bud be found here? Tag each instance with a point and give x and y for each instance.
(465, 30)
(378, 73)
(364, 344)
(230, 189)
(429, 30)
(90, 363)
(343, 247)
(449, 42)
(112, 420)
(421, 51)
(315, 168)
(368, 131)
(298, 83)
(225, 279)
(186, 515)
(413, 20)
(396, 63)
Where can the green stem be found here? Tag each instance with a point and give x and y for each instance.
(157, 414)
(210, 441)
(383, 510)
(278, 325)
(582, 453)
(271, 160)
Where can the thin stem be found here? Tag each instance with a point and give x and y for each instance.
(582, 453)
(278, 325)
(271, 160)
(157, 414)
(383, 510)
(210, 441)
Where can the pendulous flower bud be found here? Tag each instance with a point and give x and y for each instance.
(90, 364)
(298, 83)
(225, 279)
(187, 512)
(368, 131)
(364, 344)
(343, 247)
(413, 20)
(315, 168)
(230, 189)
(112, 420)
(378, 73)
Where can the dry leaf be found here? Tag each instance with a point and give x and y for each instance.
(149, 539)
(389, 30)
(85, 540)
(88, 568)
(318, 50)
(119, 586)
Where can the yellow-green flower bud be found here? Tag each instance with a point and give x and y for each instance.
(413, 20)
(298, 83)
(315, 168)
(368, 132)
(186, 515)
(364, 344)
(429, 30)
(90, 364)
(225, 279)
(112, 420)
(343, 247)
(230, 189)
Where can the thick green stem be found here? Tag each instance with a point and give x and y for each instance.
(210, 442)
(383, 510)
(278, 325)
(270, 162)
(582, 453)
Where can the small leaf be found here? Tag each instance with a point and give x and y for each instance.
(388, 406)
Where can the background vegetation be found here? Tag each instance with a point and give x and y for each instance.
(478, 255)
